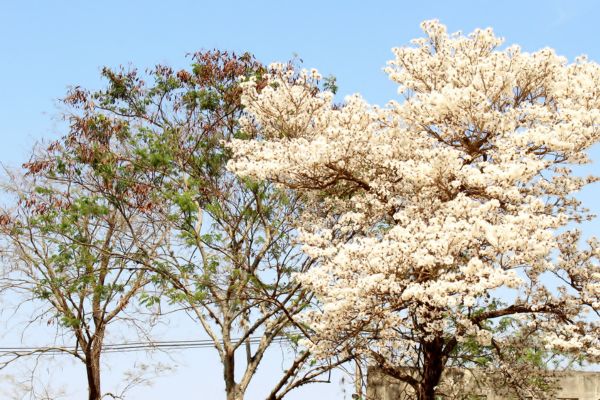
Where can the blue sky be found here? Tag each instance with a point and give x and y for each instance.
(46, 46)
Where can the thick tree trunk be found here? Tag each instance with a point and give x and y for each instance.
(433, 366)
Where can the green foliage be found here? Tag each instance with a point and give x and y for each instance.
(70, 322)
(186, 202)
(88, 207)
(149, 299)
(204, 99)
(330, 84)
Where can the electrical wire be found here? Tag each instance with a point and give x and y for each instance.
(131, 346)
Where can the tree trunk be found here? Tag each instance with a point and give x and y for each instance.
(234, 394)
(92, 367)
(433, 365)
(232, 389)
(92, 364)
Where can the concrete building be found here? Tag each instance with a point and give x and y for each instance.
(571, 386)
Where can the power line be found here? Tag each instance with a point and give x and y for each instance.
(131, 346)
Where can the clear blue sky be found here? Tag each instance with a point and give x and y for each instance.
(45, 46)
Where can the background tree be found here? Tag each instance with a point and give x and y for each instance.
(436, 218)
(73, 238)
(229, 254)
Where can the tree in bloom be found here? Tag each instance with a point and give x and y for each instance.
(440, 222)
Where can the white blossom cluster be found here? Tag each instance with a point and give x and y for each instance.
(436, 215)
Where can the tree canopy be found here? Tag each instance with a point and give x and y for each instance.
(134, 206)
(444, 223)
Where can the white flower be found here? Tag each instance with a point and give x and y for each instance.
(421, 212)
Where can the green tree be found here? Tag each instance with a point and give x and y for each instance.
(73, 239)
(155, 144)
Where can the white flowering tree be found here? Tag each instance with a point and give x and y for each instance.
(441, 221)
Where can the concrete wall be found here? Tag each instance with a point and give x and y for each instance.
(579, 385)
(573, 385)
